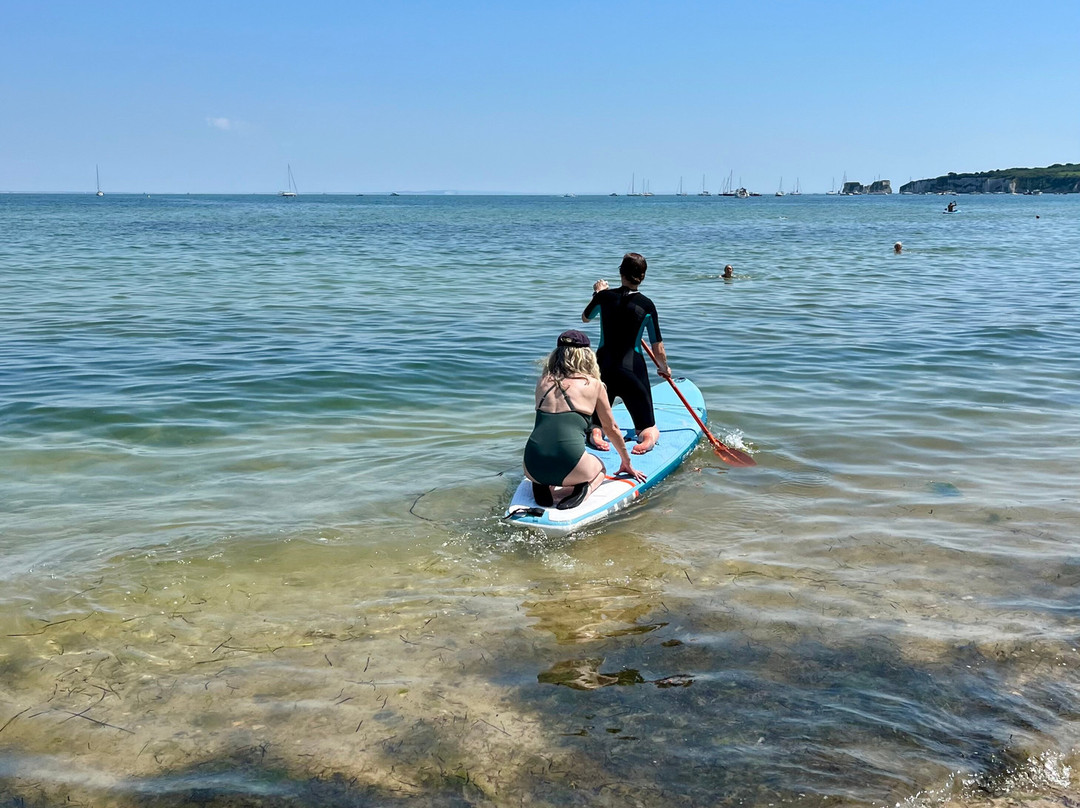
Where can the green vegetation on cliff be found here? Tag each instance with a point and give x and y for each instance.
(1060, 178)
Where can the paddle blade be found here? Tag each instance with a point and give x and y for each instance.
(733, 457)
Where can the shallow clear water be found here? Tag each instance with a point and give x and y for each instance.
(253, 454)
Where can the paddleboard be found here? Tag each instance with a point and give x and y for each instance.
(679, 434)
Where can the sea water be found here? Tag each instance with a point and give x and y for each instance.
(254, 453)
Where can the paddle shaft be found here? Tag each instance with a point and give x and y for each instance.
(734, 457)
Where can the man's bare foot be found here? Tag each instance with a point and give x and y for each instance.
(596, 439)
(646, 440)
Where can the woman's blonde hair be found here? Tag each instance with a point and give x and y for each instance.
(566, 361)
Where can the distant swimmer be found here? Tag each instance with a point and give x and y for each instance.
(898, 248)
(729, 272)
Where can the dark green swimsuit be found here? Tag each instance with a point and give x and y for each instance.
(557, 442)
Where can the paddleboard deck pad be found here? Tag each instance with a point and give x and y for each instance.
(679, 434)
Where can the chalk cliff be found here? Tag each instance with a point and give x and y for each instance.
(1060, 178)
(876, 187)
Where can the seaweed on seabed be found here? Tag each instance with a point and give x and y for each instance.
(245, 780)
(585, 674)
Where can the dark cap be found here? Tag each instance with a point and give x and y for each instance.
(574, 339)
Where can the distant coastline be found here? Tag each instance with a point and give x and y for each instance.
(1060, 178)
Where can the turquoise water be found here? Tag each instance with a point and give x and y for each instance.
(253, 454)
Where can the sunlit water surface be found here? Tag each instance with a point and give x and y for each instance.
(253, 455)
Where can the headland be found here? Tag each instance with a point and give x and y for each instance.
(1060, 178)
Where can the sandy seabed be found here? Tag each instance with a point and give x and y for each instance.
(232, 693)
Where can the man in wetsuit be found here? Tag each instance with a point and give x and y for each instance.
(625, 316)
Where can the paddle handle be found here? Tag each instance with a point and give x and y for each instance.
(734, 457)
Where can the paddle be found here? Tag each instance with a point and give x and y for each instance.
(733, 457)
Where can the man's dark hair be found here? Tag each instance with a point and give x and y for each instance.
(633, 267)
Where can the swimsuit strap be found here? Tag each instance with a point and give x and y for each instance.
(566, 398)
(565, 395)
(546, 395)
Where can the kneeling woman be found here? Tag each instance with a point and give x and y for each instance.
(567, 395)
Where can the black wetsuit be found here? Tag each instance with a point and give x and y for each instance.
(625, 317)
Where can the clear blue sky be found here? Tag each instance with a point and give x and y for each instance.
(537, 97)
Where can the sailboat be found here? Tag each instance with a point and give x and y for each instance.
(98, 175)
(680, 192)
(798, 188)
(703, 191)
(780, 190)
(727, 189)
(291, 192)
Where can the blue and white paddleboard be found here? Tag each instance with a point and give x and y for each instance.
(679, 434)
